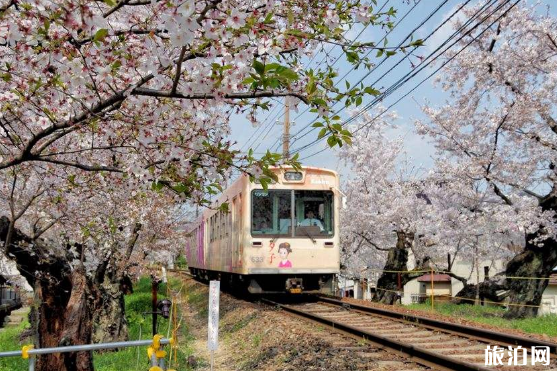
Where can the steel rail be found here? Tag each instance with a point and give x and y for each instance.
(475, 332)
(431, 358)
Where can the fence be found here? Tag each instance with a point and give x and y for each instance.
(432, 296)
(154, 352)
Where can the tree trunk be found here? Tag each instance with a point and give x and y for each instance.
(66, 300)
(65, 318)
(397, 260)
(525, 295)
(109, 322)
(535, 261)
(494, 289)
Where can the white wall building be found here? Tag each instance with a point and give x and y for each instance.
(448, 286)
(549, 298)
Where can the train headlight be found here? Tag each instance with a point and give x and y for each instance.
(293, 176)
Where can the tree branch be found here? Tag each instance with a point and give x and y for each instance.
(115, 8)
(498, 192)
(365, 238)
(77, 165)
(40, 232)
(552, 40)
(131, 243)
(461, 279)
(199, 96)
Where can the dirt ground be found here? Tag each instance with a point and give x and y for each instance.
(255, 337)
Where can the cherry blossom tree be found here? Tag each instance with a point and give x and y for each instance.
(498, 131)
(78, 243)
(111, 100)
(401, 218)
(141, 87)
(386, 203)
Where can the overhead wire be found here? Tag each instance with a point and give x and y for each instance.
(260, 126)
(277, 142)
(281, 115)
(430, 75)
(432, 13)
(418, 68)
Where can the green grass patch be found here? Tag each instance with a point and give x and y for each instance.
(9, 340)
(140, 327)
(493, 315)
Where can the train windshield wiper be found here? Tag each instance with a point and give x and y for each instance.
(309, 235)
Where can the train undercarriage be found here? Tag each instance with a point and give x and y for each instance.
(308, 283)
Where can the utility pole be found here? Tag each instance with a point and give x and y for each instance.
(286, 134)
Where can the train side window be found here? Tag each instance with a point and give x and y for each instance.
(233, 216)
(217, 229)
(221, 218)
(210, 220)
(214, 227)
(222, 225)
(229, 222)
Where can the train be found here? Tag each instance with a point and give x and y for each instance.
(283, 239)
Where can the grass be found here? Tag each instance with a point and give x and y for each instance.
(493, 316)
(9, 340)
(139, 327)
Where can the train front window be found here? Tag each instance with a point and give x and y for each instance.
(271, 212)
(313, 213)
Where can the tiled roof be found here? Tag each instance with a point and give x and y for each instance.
(436, 278)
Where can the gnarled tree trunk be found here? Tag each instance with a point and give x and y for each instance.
(109, 322)
(534, 263)
(525, 295)
(65, 318)
(397, 260)
(67, 299)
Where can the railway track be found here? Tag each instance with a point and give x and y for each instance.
(433, 343)
(425, 342)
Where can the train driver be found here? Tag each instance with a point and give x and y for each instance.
(311, 220)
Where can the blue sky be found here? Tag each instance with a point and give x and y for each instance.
(268, 132)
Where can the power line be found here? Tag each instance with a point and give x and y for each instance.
(377, 66)
(260, 126)
(430, 75)
(268, 126)
(277, 142)
(418, 69)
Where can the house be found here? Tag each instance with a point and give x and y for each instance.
(353, 288)
(445, 286)
(549, 297)
(438, 285)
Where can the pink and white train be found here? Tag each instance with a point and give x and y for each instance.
(281, 240)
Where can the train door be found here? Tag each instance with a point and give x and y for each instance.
(228, 238)
(239, 231)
